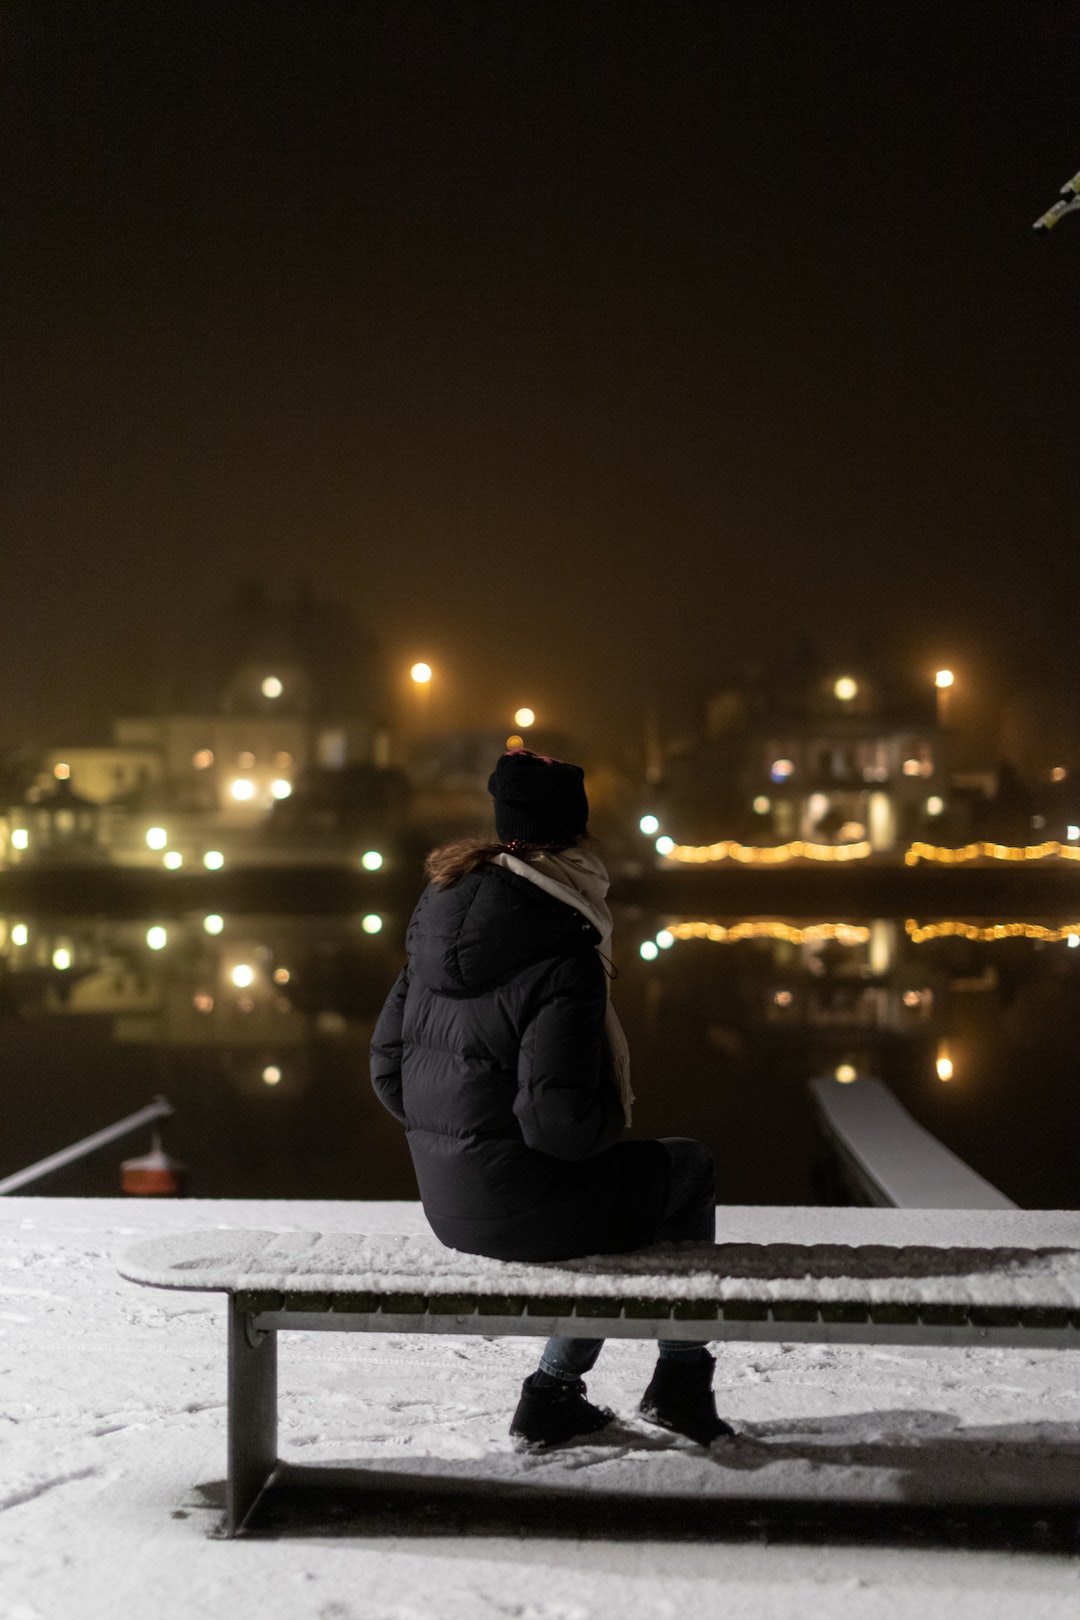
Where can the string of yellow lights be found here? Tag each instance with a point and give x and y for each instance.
(763, 928)
(729, 849)
(951, 928)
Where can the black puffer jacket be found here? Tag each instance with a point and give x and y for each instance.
(490, 1052)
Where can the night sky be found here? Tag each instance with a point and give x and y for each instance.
(584, 348)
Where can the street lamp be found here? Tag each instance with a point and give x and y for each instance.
(943, 681)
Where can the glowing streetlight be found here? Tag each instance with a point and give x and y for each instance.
(243, 975)
(156, 838)
(944, 1063)
(20, 838)
(524, 717)
(845, 1073)
(242, 789)
(944, 678)
(371, 860)
(372, 923)
(213, 860)
(845, 688)
(280, 787)
(649, 825)
(61, 958)
(420, 674)
(157, 938)
(271, 1075)
(649, 950)
(213, 924)
(272, 687)
(172, 860)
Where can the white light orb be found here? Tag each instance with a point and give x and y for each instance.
(665, 939)
(420, 673)
(172, 860)
(61, 958)
(62, 772)
(845, 1073)
(242, 789)
(213, 860)
(212, 923)
(649, 950)
(935, 805)
(272, 687)
(20, 838)
(20, 934)
(1072, 833)
(243, 975)
(845, 688)
(202, 759)
(371, 860)
(665, 845)
(156, 838)
(372, 923)
(1073, 941)
(157, 938)
(524, 717)
(649, 825)
(271, 1075)
(762, 804)
(280, 788)
(944, 677)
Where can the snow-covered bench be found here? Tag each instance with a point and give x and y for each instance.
(910, 1277)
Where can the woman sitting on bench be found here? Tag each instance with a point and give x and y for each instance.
(499, 1051)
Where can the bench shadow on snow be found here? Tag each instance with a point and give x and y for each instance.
(901, 1477)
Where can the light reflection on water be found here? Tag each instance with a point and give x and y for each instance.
(256, 1029)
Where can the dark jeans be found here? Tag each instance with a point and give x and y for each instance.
(689, 1217)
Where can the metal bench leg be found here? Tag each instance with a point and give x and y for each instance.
(252, 1416)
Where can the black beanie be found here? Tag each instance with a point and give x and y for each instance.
(538, 800)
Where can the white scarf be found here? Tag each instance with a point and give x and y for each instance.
(579, 878)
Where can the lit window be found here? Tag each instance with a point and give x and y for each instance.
(912, 767)
(912, 998)
(202, 759)
(851, 832)
(272, 687)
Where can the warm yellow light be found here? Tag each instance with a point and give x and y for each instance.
(935, 805)
(157, 938)
(243, 975)
(515, 741)
(245, 759)
(202, 1002)
(371, 860)
(213, 860)
(61, 958)
(242, 788)
(213, 923)
(372, 923)
(420, 673)
(280, 788)
(156, 838)
(20, 838)
(271, 1075)
(524, 717)
(61, 772)
(845, 689)
(202, 759)
(952, 928)
(846, 1073)
(851, 832)
(1058, 774)
(272, 687)
(944, 1063)
(719, 934)
(172, 860)
(20, 934)
(944, 677)
(762, 804)
(281, 975)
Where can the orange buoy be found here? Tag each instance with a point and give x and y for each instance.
(155, 1175)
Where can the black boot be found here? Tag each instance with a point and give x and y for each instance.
(551, 1414)
(680, 1397)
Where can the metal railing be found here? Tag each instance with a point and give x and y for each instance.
(158, 1109)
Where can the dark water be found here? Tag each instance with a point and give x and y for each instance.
(269, 1077)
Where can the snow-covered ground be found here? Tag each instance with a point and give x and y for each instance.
(112, 1453)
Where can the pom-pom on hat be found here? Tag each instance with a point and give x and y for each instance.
(538, 800)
